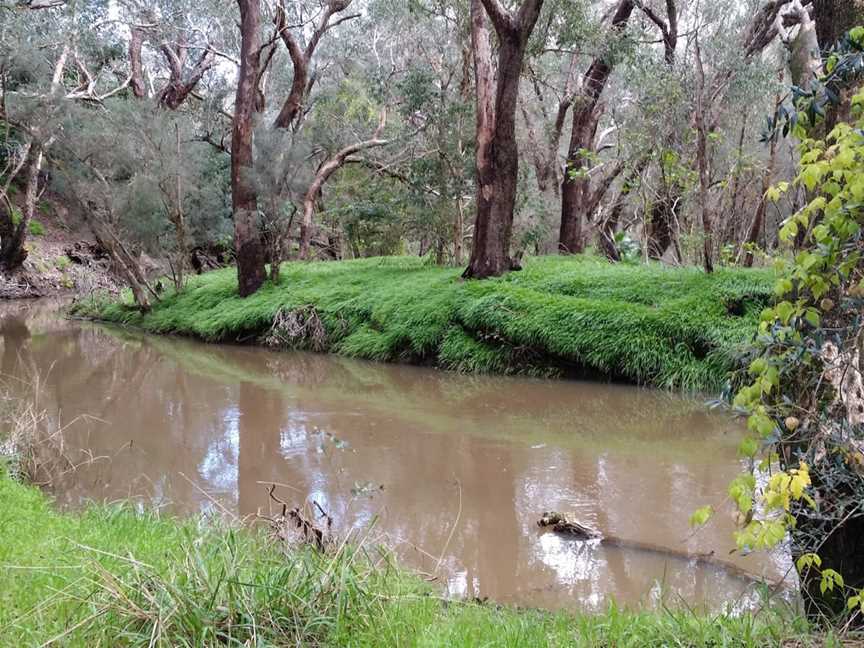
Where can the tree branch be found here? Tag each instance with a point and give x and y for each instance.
(500, 17)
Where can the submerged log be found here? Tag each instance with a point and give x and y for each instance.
(561, 524)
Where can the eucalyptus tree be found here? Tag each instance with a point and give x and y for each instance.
(566, 71)
(577, 200)
(303, 28)
(497, 153)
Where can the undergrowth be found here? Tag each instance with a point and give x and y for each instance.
(672, 328)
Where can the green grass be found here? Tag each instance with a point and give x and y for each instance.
(111, 576)
(672, 328)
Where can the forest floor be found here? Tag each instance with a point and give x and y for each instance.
(575, 316)
(114, 576)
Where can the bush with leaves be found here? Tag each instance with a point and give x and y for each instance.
(803, 387)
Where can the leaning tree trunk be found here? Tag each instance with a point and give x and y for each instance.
(244, 194)
(13, 253)
(758, 222)
(576, 185)
(497, 154)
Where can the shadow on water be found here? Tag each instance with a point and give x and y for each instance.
(455, 470)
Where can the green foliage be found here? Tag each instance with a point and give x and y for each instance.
(675, 328)
(808, 343)
(34, 227)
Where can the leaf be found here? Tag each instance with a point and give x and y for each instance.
(749, 447)
(789, 231)
(701, 516)
(807, 561)
(830, 580)
(784, 311)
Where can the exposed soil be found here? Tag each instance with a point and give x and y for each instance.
(63, 258)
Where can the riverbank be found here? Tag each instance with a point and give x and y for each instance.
(670, 328)
(113, 576)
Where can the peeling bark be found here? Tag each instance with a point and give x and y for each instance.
(136, 45)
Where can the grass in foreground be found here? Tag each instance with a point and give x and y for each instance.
(111, 576)
(673, 328)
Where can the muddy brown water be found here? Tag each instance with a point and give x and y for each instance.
(450, 471)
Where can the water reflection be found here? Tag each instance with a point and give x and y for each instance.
(455, 469)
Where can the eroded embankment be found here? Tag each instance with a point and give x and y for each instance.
(673, 328)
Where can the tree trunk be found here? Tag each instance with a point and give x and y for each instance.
(458, 233)
(13, 254)
(291, 113)
(755, 229)
(836, 535)
(136, 78)
(244, 194)
(661, 227)
(180, 223)
(834, 18)
(290, 110)
(702, 163)
(496, 149)
(608, 228)
(577, 184)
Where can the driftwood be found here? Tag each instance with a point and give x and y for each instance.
(561, 524)
(297, 328)
(292, 525)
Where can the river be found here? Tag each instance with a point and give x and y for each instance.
(450, 471)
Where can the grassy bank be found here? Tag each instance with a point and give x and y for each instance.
(676, 328)
(112, 577)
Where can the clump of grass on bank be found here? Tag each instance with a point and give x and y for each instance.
(111, 576)
(674, 328)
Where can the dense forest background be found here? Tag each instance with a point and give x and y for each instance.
(468, 132)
